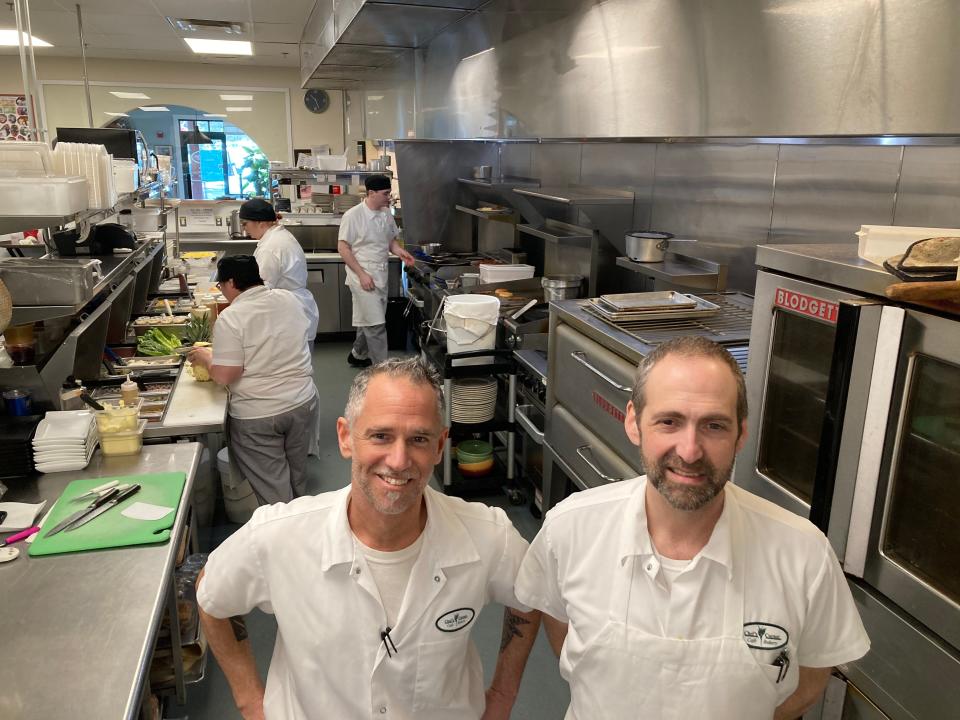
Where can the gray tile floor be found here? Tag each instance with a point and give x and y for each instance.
(543, 694)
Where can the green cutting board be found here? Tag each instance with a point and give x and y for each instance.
(111, 529)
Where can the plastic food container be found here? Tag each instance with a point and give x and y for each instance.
(123, 443)
(116, 418)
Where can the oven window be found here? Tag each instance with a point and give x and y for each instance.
(924, 514)
(795, 401)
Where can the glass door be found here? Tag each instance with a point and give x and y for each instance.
(914, 534)
(204, 166)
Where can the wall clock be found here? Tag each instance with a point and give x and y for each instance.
(316, 101)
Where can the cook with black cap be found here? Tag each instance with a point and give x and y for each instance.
(368, 234)
(279, 256)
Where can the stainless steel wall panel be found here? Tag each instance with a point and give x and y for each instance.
(516, 159)
(629, 166)
(462, 4)
(344, 12)
(824, 193)
(556, 165)
(929, 192)
(719, 195)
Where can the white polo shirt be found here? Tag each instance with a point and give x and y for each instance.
(369, 234)
(264, 331)
(283, 265)
(299, 561)
(793, 582)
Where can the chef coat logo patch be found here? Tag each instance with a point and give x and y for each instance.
(765, 636)
(455, 619)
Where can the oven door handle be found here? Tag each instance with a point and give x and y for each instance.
(581, 357)
(582, 452)
(535, 433)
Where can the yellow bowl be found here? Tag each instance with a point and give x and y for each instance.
(476, 469)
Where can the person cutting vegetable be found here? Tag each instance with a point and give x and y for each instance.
(261, 354)
(368, 234)
(279, 256)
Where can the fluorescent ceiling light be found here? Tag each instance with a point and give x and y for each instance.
(155, 108)
(214, 115)
(116, 114)
(239, 109)
(236, 97)
(8, 38)
(220, 47)
(130, 95)
(374, 97)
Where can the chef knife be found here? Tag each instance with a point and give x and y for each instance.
(113, 502)
(106, 497)
(95, 492)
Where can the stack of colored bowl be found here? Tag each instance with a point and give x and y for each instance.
(474, 458)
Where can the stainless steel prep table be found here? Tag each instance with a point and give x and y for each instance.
(78, 629)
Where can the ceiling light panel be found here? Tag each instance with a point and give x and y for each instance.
(239, 109)
(113, 114)
(155, 108)
(214, 115)
(236, 97)
(8, 38)
(219, 47)
(130, 95)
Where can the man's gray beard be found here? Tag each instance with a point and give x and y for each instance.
(686, 497)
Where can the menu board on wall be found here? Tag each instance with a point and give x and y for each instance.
(13, 117)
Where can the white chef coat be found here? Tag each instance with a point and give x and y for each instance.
(283, 265)
(792, 589)
(299, 561)
(264, 332)
(369, 234)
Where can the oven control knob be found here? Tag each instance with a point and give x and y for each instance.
(511, 340)
(542, 393)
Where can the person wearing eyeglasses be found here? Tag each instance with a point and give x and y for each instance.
(376, 587)
(368, 234)
(280, 257)
(260, 352)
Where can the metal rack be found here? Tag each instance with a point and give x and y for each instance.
(683, 270)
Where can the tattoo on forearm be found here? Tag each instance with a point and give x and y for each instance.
(239, 628)
(512, 627)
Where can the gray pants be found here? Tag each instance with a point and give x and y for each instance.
(371, 343)
(271, 452)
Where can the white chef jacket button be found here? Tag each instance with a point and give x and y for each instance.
(436, 578)
(357, 571)
(649, 566)
(383, 709)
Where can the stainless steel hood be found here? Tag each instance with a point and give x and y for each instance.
(362, 43)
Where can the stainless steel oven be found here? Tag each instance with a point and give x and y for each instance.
(856, 404)
(531, 418)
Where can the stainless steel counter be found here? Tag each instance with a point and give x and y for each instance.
(78, 629)
(832, 264)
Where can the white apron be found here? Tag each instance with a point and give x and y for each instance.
(628, 674)
(369, 306)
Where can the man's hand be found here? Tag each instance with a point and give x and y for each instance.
(202, 357)
(254, 711)
(366, 282)
(406, 257)
(498, 706)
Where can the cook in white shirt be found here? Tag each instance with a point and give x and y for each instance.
(280, 258)
(368, 234)
(260, 353)
(375, 587)
(677, 594)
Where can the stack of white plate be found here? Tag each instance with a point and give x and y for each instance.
(474, 400)
(65, 440)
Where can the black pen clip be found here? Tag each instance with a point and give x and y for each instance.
(783, 663)
(388, 642)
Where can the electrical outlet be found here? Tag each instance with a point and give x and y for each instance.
(183, 222)
(219, 221)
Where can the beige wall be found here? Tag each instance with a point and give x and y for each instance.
(308, 129)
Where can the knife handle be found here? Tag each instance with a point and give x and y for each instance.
(105, 498)
(124, 494)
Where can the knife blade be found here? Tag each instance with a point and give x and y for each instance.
(73, 517)
(95, 492)
(113, 502)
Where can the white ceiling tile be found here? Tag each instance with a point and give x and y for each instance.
(277, 32)
(114, 7)
(142, 27)
(287, 11)
(232, 10)
(144, 43)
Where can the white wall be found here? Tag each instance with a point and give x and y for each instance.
(308, 129)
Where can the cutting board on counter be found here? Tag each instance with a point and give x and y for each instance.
(112, 529)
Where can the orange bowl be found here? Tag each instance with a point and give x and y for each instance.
(476, 469)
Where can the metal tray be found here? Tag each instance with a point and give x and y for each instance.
(647, 301)
(702, 309)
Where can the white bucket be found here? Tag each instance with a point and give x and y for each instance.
(238, 497)
(471, 322)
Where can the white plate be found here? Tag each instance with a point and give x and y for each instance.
(62, 466)
(64, 426)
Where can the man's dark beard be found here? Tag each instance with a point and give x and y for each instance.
(686, 497)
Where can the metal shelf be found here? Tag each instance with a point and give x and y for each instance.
(501, 184)
(501, 215)
(559, 232)
(308, 174)
(579, 195)
(682, 270)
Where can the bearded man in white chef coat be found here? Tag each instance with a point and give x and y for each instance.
(375, 587)
(368, 234)
(677, 594)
